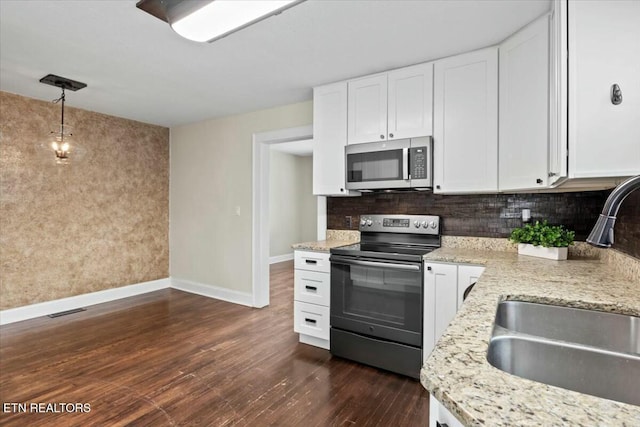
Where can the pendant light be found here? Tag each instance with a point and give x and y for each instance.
(60, 143)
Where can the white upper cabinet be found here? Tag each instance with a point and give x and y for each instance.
(367, 115)
(330, 138)
(410, 104)
(465, 125)
(524, 108)
(604, 49)
(393, 105)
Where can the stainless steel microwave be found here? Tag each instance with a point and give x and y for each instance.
(403, 163)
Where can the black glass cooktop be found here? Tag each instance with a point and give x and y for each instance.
(384, 251)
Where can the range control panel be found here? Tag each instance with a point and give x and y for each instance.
(414, 224)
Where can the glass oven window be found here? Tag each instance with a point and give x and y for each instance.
(384, 296)
(374, 166)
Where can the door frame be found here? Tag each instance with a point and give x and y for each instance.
(260, 208)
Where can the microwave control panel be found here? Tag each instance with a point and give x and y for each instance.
(418, 162)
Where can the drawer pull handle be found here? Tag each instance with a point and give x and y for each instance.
(310, 261)
(306, 319)
(310, 288)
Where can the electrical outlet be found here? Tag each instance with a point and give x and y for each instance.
(347, 222)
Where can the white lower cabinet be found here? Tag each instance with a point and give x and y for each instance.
(444, 286)
(467, 276)
(312, 287)
(439, 416)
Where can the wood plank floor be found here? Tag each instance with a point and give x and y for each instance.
(176, 359)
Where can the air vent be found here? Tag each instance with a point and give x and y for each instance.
(64, 313)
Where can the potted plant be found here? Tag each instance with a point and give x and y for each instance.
(543, 240)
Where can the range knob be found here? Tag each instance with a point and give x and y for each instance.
(433, 224)
(363, 222)
(369, 223)
(425, 224)
(417, 224)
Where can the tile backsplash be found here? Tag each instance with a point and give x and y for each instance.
(494, 215)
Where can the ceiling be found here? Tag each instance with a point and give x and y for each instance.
(302, 148)
(136, 67)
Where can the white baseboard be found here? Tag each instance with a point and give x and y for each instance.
(49, 307)
(280, 258)
(211, 291)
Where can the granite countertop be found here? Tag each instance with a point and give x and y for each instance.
(458, 374)
(335, 238)
(321, 245)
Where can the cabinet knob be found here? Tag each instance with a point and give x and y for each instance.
(538, 181)
(381, 136)
(429, 268)
(437, 187)
(616, 94)
(390, 135)
(342, 190)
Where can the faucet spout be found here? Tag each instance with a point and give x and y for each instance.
(602, 233)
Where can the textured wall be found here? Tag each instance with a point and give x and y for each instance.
(95, 224)
(496, 215)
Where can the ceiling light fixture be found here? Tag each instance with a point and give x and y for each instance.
(210, 20)
(61, 143)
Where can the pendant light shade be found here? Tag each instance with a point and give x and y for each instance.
(210, 20)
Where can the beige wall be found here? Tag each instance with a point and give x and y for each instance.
(211, 176)
(96, 224)
(292, 205)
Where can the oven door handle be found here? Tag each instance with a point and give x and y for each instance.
(388, 265)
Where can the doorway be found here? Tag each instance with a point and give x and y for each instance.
(260, 212)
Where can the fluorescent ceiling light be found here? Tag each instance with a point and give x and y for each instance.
(206, 21)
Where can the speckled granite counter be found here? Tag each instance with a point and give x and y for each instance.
(321, 245)
(335, 238)
(458, 374)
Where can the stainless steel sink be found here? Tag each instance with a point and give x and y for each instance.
(587, 351)
(611, 331)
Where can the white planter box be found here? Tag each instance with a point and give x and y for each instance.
(542, 252)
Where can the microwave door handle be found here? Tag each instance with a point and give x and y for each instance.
(405, 164)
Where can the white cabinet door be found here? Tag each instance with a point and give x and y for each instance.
(367, 115)
(440, 302)
(440, 416)
(558, 166)
(604, 49)
(524, 108)
(465, 125)
(410, 104)
(467, 276)
(329, 139)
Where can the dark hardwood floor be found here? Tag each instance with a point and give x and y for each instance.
(172, 358)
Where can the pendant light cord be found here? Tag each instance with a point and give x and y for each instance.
(55, 101)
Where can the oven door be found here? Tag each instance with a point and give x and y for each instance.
(378, 165)
(377, 298)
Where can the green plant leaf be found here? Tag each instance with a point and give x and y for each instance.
(543, 234)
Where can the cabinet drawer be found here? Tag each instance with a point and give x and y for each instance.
(311, 319)
(312, 287)
(314, 261)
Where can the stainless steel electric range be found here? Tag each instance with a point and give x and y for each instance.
(377, 292)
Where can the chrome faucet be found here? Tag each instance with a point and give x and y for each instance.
(602, 233)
